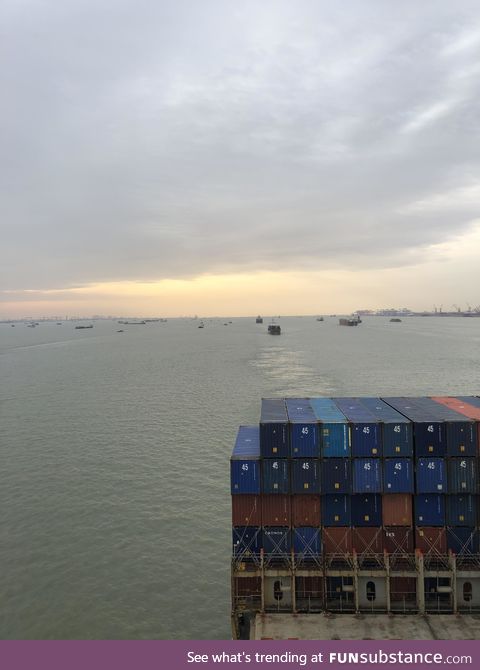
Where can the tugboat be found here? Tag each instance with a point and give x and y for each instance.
(274, 329)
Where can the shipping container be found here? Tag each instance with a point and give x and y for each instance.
(246, 510)
(365, 428)
(429, 509)
(336, 475)
(367, 510)
(275, 475)
(277, 541)
(397, 430)
(462, 475)
(305, 474)
(460, 433)
(463, 541)
(431, 475)
(428, 432)
(333, 428)
(303, 428)
(306, 510)
(403, 592)
(337, 540)
(397, 509)
(276, 510)
(309, 594)
(245, 461)
(274, 434)
(367, 475)
(247, 542)
(307, 543)
(461, 510)
(472, 412)
(336, 510)
(398, 475)
(399, 540)
(431, 540)
(368, 540)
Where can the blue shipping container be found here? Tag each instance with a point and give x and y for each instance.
(462, 475)
(336, 510)
(275, 476)
(460, 432)
(367, 475)
(277, 540)
(463, 541)
(429, 510)
(365, 429)
(274, 433)
(303, 428)
(429, 436)
(245, 461)
(461, 510)
(305, 475)
(247, 541)
(397, 430)
(336, 475)
(431, 475)
(333, 429)
(398, 475)
(307, 542)
(367, 510)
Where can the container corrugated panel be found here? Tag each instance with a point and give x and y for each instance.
(367, 475)
(303, 428)
(333, 429)
(276, 510)
(461, 434)
(463, 541)
(305, 475)
(365, 429)
(307, 542)
(275, 476)
(398, 475)
(277, 540)
(429, 437)
(247, 541)
(431, 540)
(245, 461)
(274, 434)
(397, 430)
(336, 475)
(397, 509)
(461, 510)
(336, 510)
(306, 510)
(431, 475)
(367, 510)
(246, 510)
(368, 540)
(399, 540)
(337, 540)
(429, 509)
(403, 589)
(468, 410)
(462, 475)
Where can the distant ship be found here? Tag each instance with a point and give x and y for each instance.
(259, 319)
(319, 318)
(274, 329)
(83, 327)
(350, 321)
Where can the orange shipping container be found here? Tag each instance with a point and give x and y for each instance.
(337, 540)
(306, 511)
(431, 540)
(276, 510)
(397, 509)
(246, 510)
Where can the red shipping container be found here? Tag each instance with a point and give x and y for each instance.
(399, 540)
(248, 586)
(431, 540)
(276, 510)
(309, 587)
(246, 510)
(368, 540)
(403, 589)
(397, 509)
(337, 540)
(306, 511)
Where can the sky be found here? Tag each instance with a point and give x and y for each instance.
(174, 157)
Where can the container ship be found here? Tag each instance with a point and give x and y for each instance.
(357, 518)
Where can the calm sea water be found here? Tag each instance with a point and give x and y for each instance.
(114, 455)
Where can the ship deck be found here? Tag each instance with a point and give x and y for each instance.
(365, 627)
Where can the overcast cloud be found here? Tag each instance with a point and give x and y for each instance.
(147, 140)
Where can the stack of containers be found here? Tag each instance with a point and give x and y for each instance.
(305, 481)
(367, 476)
(446, 480)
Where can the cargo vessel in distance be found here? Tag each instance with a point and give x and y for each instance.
(274, 329)
(359, 508)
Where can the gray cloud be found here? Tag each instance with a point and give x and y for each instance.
(148, 140)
